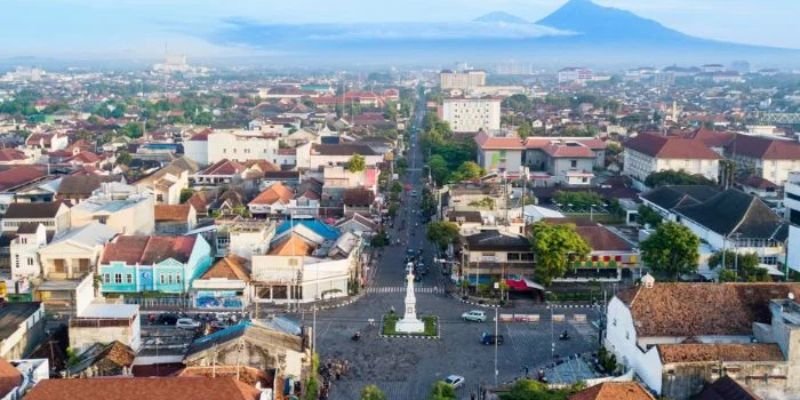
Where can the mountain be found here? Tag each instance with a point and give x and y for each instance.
(500, 17)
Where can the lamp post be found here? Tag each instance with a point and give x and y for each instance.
(591, 212)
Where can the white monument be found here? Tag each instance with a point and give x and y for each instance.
(410, 323)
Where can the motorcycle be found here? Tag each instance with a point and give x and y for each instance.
(356, 336)
(564, 336)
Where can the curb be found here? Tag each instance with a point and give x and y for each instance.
(436, 337)
(571, 306)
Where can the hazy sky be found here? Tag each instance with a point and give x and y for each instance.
(140, 28)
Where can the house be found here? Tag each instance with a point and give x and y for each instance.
(225, 285)
(792, 202)
(77, 188)
(222, 172)
(611, 257)
(493, 255)
(675, 337)
(726, 388)
(128, 388)
(100, 359)
(54, 216)
(17, 377)
(73, 254)
(358, 224)
(196, 147)
(105, 323)
(12, 179)
(358, 201)
(10, 381)
(272, 201)
(648, 153)
(263, 344)
(769, 158)
(240, 145)
(15, 157)
(174, 219)
(22, 327)
(24, 255)
(243, 237)
(336, 179)
(613, 391)
(125, 208)
(167, 264)
(306, 201)
(665, 198)
(47, 141)
(322, 155)
(168, 182)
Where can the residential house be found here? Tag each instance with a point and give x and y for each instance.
(613, 391)
(129, 388)
(792, 202)
(105, 323)
(727, 388)
(225, 285)
(22, 327)
(240, 145)
(174, 219)
(611, 258)
(648, 153)
(15, 157)
(358, 201)
(243, 237)
(322, 155)
(17, 377)
(358, 224)
(167, 264)
(272, 201)
(337, 179)
(103, 359)
(496, 255)
(24, 253)
(10, 381)
(54, 216)
(263, 344)
(168, 182)
(125, 208)
(306, 201)
(196, 147)
(47, 141)
(77, 188)
(222, 172)
(769, 158)
(12, 179)
(675, 337)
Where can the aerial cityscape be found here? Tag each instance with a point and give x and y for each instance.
(363, 200)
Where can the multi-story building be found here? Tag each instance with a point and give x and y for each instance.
(462, 80)
(472, 114)
(126, 209)
(769, 158)
(575, 75)
(241, 145)
(792, 204)
(24, 249)
(648, 153)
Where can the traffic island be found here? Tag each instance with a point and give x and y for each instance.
(389, 327)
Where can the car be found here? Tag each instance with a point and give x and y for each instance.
(187, 323)
(488, 338)
(455, 381)
(413, 193)
(474, 315)
(167, 319)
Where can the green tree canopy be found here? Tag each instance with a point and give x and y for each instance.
(578, 200)
(124, 158)
(527, 389)
(517, 103)
(524, 129)
(439, 168)
(372, 392)
(649, 217)
(468, 170)
(555, 246)
(738, 267)
(442, 391)
(672, 250)
(357, 163)
(133, 130)
(672, 177)
(442, 233)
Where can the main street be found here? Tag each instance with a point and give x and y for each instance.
(407, 368)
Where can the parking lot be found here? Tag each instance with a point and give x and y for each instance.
(407, 368)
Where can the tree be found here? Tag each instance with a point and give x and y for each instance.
(439, 169)
(555, 246)
(186, 194)
(442, 233)
(357, 163)
(738, 267)
(649, 217)
(124, 158)
(372, 392)
(468, 170)
(671, 177)
(671, 250)
(578, 200)
(524, 129)
(442, 391)
(517, 103)
(527, 389)
(133, 130)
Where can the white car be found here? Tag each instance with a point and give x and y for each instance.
(187, 323)
(456, 381)
(474, 315)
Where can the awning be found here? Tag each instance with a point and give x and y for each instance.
(533, 285)
(518, 286)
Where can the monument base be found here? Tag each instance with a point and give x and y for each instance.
(410, 326)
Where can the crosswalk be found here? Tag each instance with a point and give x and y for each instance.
(402, 289)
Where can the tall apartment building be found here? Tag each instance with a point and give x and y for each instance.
(471, 114)
(792, 203)
(462, 80)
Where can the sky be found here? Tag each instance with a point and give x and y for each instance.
(144, 28)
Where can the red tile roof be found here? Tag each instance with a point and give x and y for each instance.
(231, 267)
(10, 377)
(568, 151)
(487, 142)
(711, 138)
(277, 192)
(671, 147)
(223, 167)
(614, 391)
(11, 155)
(764, 148)
(19, 175)
(172, 213)
(699, 352)
(172, 388)
(148, 250)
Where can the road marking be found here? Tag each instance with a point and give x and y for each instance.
(402, 289)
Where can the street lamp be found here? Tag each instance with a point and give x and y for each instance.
(591, 211)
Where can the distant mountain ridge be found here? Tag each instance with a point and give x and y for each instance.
(500, 16)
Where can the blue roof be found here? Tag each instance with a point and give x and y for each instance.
(320, 228)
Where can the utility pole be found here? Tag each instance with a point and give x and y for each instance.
(496, 322)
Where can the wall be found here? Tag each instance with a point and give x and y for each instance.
(472, 115)
(239, 145)
(683, 380)
(197, 151)
(621, 339)
(707, 168)
(29, 335)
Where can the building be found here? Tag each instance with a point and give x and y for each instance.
(792, 203)
(167, 183)
(274, 200)
(105, 323)
(196, 147)
(19, 376)
(77, 188)
(241, 145)
(472, 114)
(327, 155)
(126, 209)
(225, 285)
(174, 219)
(130, 388)
(648, 153)
(611, 256)
(675, 337)
(575, 75)
(73, 254)
(24, 255)
(54, 216)
(243, 237)
(495, 255)
(449, 80)
(167, 264)
(769, 158)
(22, 328)
(613, 391)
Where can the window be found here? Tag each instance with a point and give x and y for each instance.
(23, 240)
(794, 217)
(117, 278)
(513, 256)
(615, 322)
(30, 261)
(792, 196)
(163, 278)
(177, 278)
(627, 335)
(129, 278)
(169, 279)
(106, 278)
(573, 163)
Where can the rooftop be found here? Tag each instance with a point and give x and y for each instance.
(148, 250)
(614, 391)
(698, 352)
(13, 314)
(113, 388)
(671, 147)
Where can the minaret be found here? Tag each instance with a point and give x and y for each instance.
(410, 323)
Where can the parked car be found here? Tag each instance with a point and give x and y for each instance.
(488, 338)
(474, 315)
(456, 381)
(413, 193)
(187, 323)
(167, 319)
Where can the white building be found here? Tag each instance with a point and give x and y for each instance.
(649, 153)
(125, 208)
(24, 254)
(575, 75)
(472, 114)
(462, 80)
(105, 323)
(241, 145)
(196, 148)
(792, 204)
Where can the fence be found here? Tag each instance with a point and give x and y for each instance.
(176, 302)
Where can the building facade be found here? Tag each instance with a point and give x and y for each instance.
(465, 114)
